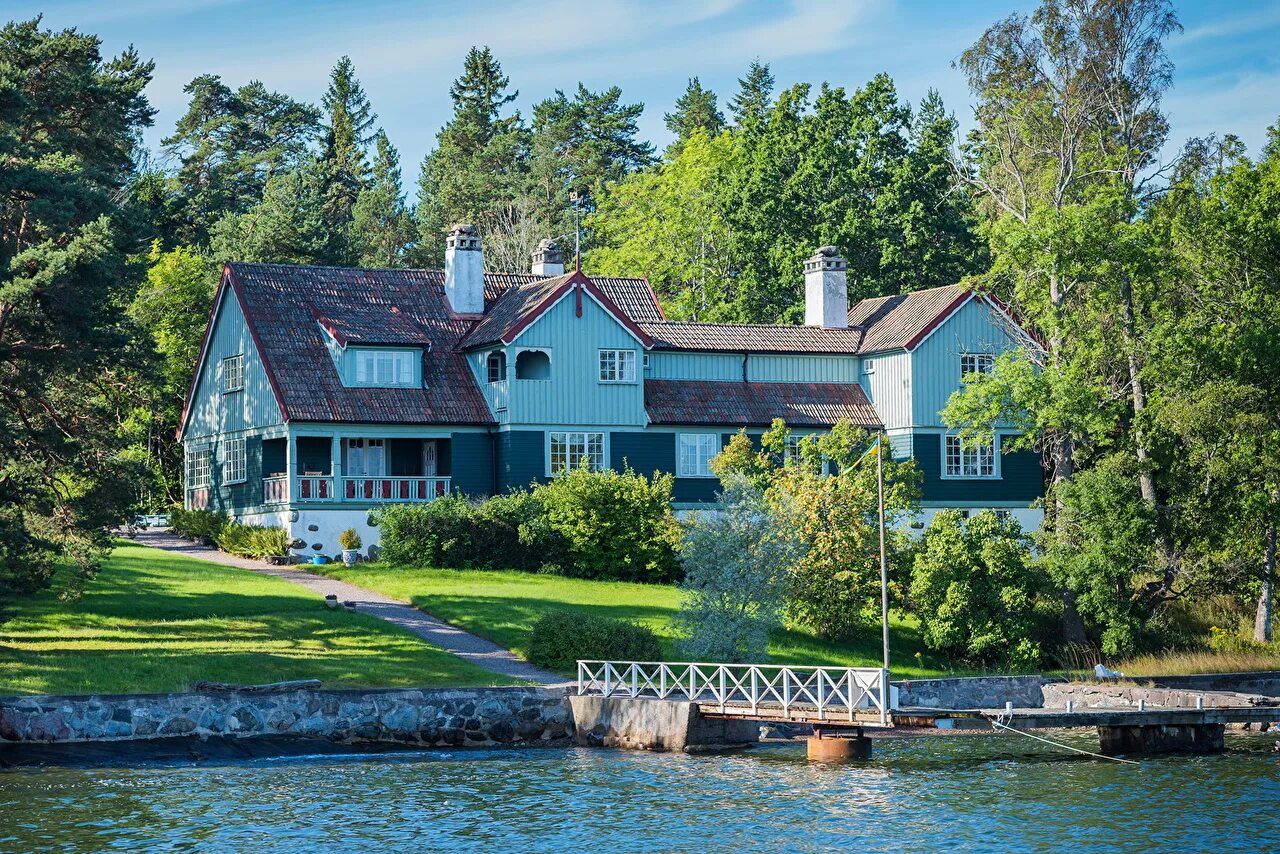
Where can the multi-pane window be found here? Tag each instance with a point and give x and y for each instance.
(976, 363)
(233, 373)
(976, 460)
(497, 367)
(199, 469)
(571, 450)
(617, 366)
(696, 451)
(233, 461)
(869, 366)
(384, 367)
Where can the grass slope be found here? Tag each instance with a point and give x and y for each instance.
(153, 621)
(502, 606)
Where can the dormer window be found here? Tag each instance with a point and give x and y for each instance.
(385, 368)
(497, 366)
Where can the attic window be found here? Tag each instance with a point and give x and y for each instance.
(233, 373)
(533, 365)
(384, 367)
(497, 366)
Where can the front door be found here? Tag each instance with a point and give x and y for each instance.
(366, 458)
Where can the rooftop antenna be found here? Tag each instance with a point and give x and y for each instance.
(575, 199)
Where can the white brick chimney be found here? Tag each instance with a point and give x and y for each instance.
(547, 260)
(826, 290)
(464, 270)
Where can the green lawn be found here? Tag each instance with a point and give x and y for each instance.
(502, 606)
(153, 621)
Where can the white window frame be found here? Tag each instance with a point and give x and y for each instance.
(976, 363)
(970, 459)
(869, 366)
(233, 373)
(199, 468)
(495, 358)
(700, 448)
(617, 365)
(363, 449)
(385, 368)
(234, 461)
(577, 445)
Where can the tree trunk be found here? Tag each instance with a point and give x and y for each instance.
(1262, 621)
(1138, 393)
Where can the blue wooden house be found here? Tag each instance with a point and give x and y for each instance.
(322, 392)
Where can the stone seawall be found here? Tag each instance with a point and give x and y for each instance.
(428, 717)
(1109, 695)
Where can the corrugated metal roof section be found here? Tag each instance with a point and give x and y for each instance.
(739, 404)
(750, 337)
(890, 323)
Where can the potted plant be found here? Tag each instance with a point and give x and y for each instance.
(350, 542)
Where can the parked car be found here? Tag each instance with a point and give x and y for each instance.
(151, 520)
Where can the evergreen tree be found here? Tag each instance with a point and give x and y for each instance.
(343, 164)
(755, 95)
(69, 124)
(381, 227)
(229, 145)
(478, 169)
(695, 109)
(288, 226)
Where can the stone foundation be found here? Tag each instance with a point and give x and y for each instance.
(427, 717)
(1161, 738)
(1109, 695)
(972, 692)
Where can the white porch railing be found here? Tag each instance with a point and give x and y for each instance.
(394, 488)
(275, 490)
(313, 488)
(829, 693)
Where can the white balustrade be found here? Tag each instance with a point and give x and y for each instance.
(275, 490)
(394, 488)
(829, 693)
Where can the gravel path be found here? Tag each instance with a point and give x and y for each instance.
(452, 639)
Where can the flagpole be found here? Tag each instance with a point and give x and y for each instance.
(884, 564)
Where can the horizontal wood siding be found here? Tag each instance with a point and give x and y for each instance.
(644, 452)
(574, 395)
(935, 364)
(521, 458)
(212, 411)
(471, 458)
(1021, 477)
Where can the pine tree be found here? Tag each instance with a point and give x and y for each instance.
(478, 169)
(287, 227)
(343, 164)
(755, 95)
(695, 109)
(381, 227)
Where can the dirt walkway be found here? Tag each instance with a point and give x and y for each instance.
(452, 639)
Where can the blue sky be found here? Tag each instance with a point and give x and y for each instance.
(406, 53)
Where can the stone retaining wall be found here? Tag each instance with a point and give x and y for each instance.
(1108, 695)
(444, 717)
(644, 723)
(973, 692)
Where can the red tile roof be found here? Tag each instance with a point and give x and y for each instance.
(752, 337)
(902, 321)
(754, 404)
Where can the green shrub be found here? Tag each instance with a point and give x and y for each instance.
(454, 532)
(614, 525)
(253, 541)
(975, 587)
(560, 638)
(198, 524)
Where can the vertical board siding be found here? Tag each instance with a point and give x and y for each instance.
(975, 328)
(645, 453)
(666, 365)
(521, 458)
(888, 387)
(213, 412)
(816, 368)
(495, 394)
(574, 395)
(1021, 477)
(471, 461)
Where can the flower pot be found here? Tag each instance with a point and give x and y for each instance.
(350, 556)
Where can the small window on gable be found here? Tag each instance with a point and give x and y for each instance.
(497, 366)
(976, 363)
(384, 367)
(533, 365)
(869, 366)
(233, 373)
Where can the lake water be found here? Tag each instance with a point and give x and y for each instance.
(972, 792)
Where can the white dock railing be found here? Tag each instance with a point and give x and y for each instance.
(829, 693)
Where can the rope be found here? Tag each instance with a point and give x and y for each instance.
(1064, 746)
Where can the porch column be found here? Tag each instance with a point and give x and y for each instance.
(290, 464)
(335, 466)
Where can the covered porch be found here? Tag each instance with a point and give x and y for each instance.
(304, 468)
